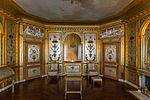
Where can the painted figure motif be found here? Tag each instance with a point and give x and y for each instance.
(54, 46)
(33, 31)
(90, 47)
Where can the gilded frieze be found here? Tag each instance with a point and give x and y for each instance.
(11, 43)
(111, 32)
(33, 31)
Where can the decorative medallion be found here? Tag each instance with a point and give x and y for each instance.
(110, 53)
(33, 53)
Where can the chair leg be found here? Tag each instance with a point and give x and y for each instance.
(13, 87)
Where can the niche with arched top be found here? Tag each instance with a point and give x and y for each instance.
(72, 48)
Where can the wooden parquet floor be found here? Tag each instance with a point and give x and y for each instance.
(53, 89)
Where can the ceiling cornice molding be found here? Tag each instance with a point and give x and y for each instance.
(138, 16)
(32, 23)
(111, 24)
(74, 28)
(8, 15)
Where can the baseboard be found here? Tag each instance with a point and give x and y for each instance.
(84, 74)
(129, 83)
(17, 82)
(61, 74)
(5, 88)
(44, 75)
(121, 80)
(101, 75)
(139, 95)
(133, 85)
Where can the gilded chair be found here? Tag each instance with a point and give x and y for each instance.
(7, 75)
(53, 69)
(92, 70)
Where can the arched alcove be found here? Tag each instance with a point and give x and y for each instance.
(72, 48)
(144, 33)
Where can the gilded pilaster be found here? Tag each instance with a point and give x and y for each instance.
(138, 46)
(126, 50)
(46, 51)
(21, 54)
(5, 43)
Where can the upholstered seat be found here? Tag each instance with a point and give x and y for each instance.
(92, 70)
(53, 69)
(7, 74)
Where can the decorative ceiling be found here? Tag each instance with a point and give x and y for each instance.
(77, 10)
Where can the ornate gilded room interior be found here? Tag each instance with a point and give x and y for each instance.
(74, 49)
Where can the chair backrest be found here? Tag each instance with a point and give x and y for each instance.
(91, 67)
(6, 72)
(53, 67)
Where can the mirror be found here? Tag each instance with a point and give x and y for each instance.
(72, 48)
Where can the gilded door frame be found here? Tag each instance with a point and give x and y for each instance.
(117, 60)
(26, 59)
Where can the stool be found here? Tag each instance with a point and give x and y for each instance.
(67, 79)
(96, 79)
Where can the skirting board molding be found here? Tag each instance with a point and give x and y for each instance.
(139, 95)
(101, 75)
(129, 83)
(121, 80)
(5, 88)
(44, 75)
(135, 86)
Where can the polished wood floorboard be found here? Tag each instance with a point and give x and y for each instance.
(53, 89)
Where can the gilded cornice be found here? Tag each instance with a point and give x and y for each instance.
(32, 23)
(8, 15)
(138, 16)
(110, 25)
(73, 27)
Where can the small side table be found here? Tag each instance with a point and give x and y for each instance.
(96, 79)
